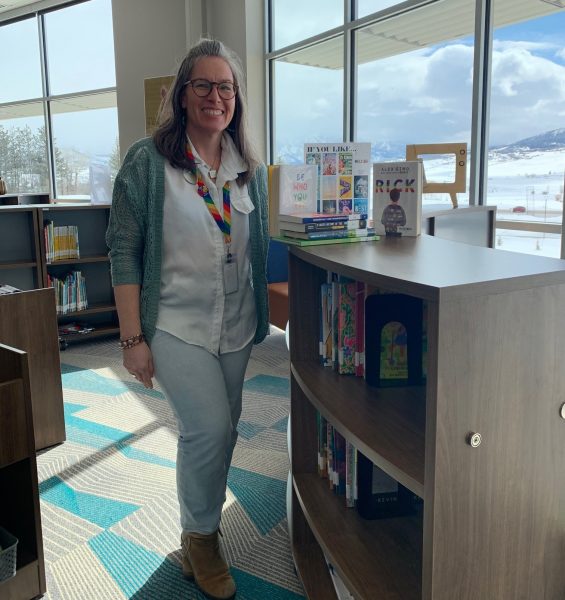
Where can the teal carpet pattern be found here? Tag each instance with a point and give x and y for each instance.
(108, 494)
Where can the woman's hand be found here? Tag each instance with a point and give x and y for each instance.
(139, 363)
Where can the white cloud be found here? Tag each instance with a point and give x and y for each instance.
(425, 96)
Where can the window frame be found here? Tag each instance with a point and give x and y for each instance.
(47, 98)
(481, 97)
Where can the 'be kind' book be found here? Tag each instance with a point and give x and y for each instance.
(397, 198)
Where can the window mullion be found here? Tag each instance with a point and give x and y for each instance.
(481, 102)
(347, 79)
(46, 104)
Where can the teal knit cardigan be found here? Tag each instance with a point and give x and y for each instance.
(135, 232)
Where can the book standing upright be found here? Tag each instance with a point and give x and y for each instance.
(292, 190)
(397, 198)
(344, 170)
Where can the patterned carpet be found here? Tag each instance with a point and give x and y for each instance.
(108, 501)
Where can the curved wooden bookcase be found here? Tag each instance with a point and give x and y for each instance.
(492, 522)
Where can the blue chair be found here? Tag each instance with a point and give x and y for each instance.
(277, 278)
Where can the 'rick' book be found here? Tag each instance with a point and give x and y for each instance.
(397, 198)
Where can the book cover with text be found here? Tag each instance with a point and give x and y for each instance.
(344, 171)
(293, 190)
(397, 198)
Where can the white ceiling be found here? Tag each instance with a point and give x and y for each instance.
(6, 5)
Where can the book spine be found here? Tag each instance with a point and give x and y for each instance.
(347, 328)
(321, 218)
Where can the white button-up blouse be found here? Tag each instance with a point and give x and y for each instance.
(193, 305)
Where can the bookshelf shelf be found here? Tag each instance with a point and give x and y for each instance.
(369, 570)
(18, 264)
(78, 261)
(91, 310)
(491, 523)
(387, 425)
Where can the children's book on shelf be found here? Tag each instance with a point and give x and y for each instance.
(326, 326)
(292, 190)
(344, 170)
(379, 495)
(61, 242)
(346, 327)
(397, 198)
(340, 588)
(393, 340)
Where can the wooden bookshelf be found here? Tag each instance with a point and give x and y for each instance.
(19, 500)
(492, 522)
(20, 257)
(28, 321)
(24, 264)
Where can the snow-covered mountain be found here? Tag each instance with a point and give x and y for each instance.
(550, 140)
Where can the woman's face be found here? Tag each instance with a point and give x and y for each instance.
(210, 114)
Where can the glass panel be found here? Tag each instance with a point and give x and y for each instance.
(526, 134)
(414, 86)
(21, 74)
(80, 47)
(367, 7)
(85, 133)
(529, 242)
(295, 20)
(23, 149)
(308, 100)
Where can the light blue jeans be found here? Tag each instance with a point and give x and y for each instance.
(205, 393)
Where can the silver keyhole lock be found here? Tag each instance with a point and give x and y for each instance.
(474, 440)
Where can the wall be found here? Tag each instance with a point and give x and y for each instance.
(240, 25)
(149, 40)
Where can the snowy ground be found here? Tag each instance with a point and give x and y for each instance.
(534, 181)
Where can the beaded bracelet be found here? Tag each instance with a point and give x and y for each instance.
(131, 341)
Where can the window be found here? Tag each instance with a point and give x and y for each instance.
(21, 75)
(58, 120)
(309, 100)
(296, 20)
(414, 86)
(408, 76)
(527, 139)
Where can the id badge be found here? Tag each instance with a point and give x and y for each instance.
(230, 274)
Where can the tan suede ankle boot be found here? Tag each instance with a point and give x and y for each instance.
(203, 562)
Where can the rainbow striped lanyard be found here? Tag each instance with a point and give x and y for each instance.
(225, 223)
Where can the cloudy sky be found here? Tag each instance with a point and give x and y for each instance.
(425, 95)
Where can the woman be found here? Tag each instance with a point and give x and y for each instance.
(188, 239)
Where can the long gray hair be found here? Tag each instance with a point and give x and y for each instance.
(170, 135)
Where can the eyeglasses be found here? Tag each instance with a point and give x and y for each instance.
(202, 88)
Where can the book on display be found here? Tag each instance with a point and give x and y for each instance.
(346, 240)
(317, 217)
(343, 175)
(397, 198)
(292, 189)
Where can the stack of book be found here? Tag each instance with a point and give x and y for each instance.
(319, 228)
(293, 215)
